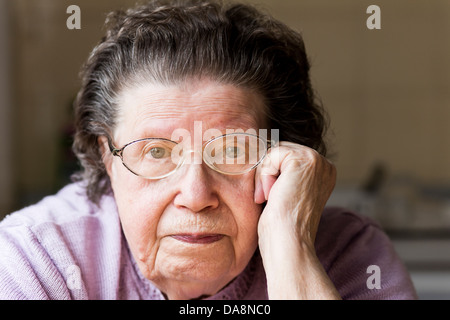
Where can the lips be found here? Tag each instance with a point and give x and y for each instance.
(198, 238)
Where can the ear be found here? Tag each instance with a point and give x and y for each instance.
(106, 153)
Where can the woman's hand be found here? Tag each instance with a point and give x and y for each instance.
(296, 181)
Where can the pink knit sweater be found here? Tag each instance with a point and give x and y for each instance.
(64, 247)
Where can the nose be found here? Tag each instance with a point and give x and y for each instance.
(196, 191)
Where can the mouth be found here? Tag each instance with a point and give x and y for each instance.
(198, 238)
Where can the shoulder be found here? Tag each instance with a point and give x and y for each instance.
(349, 245)
(68, 216)
(335, 217)
(338, 227)
(68, 204)
(41, 244)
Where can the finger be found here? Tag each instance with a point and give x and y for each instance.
(287, 156)
(259, 191)
(265, 177)
(267, 182)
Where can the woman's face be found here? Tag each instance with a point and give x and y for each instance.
(191, 233)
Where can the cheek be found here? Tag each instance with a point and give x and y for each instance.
(140, 204)
(134, 194)
(131, 192)
(246, 212)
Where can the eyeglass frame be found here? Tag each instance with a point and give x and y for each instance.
(119, 153)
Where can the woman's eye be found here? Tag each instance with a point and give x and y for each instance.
(157, 152)
(233, 152)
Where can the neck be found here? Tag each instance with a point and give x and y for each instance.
(181, 290)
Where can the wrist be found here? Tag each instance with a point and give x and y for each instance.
(293, 271)
(279, 239)
(286, 256)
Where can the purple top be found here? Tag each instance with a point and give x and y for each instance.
(65, 247)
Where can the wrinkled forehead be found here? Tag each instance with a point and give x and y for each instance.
(155, 110)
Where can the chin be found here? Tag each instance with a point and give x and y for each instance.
(197, 262)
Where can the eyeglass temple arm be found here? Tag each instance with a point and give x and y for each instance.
(114, 150)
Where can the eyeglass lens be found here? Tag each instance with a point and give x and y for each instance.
(229, 154)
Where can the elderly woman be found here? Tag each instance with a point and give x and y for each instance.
(204, 174)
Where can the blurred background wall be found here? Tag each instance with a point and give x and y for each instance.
(6, 177)
(387, 92)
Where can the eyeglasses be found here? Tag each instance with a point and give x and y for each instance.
(157, 158)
